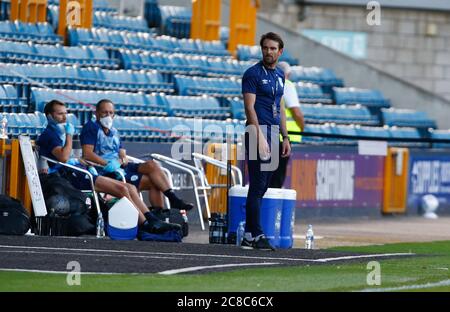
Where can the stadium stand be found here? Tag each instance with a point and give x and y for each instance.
(126, 60)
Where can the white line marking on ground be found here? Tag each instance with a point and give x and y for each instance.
(211, 255)
(86, 254)
(364, 256)
(62, 272)
(198, 268)
(409, 287)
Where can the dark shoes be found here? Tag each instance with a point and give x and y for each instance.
(159, 227)
(180, 204)
(260, 242)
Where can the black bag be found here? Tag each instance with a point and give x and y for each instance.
(55, 184)
(14, 219)
(67, 208)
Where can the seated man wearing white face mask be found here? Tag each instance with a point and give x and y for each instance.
(101, 144)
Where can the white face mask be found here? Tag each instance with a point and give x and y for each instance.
(106, 122)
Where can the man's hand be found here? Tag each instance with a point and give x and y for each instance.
(263, 148)
(112, 166)
(285, 148)
(70, 129)
(124, 161)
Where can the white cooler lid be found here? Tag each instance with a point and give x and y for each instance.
(274, 193)
(123, 215)
(238, 191)
(290, 194)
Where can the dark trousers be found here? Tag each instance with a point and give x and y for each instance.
(279, 175)
(258, 184)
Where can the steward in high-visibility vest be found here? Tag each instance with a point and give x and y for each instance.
(294, 123)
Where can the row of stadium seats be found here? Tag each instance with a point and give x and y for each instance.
(82, 103)
(178, 63)
(365, 131)
(22, 52)
(99, 5)
(311, 93)
(145, 129)
(217, 87)
(351, 114)
(93, 78)
(31, 124)
(116, 40)
(322, 76)
(104, 19)
(10, 102)
(253, 53)
(136, 129)
(19, 31)
(319, 113)
(407, 118)
(367, 97)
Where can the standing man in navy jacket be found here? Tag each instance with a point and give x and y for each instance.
(262, 88)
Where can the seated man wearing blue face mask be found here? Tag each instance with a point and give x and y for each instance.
(101, 144)
(55, 143)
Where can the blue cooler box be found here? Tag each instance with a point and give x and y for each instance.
(123, 220)
(271, 211)
(288, 219)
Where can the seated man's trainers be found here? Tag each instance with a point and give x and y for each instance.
(262, 242)
(158, 226)
(247, 243)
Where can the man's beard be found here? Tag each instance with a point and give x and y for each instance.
(269, 60)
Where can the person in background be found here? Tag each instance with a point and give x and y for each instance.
(295, 122)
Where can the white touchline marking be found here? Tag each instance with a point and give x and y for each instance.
(198, 268)
(409, 287)
(364, 256)
(216, 256)
(159, 253)
(84, 254)
(63, 272)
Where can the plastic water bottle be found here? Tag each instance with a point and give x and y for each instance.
(100, 227)
(309, 241)
(240, 233)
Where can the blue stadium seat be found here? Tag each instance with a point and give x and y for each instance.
(367, 97)
(406, 133)
(237, 108)
(316, 75)
(440, 134)
(351, 114)
(407, 118)
(10, 101)
(35, 32)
